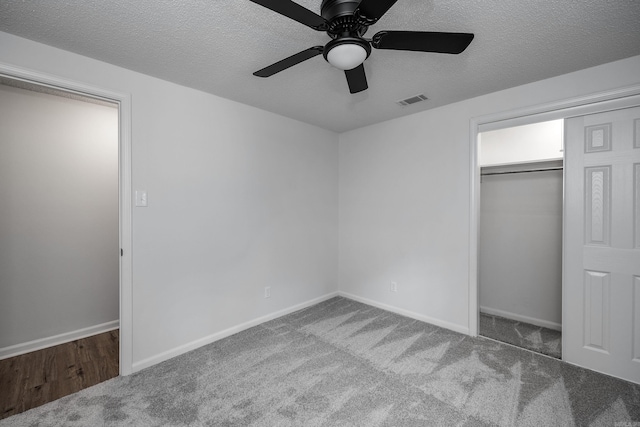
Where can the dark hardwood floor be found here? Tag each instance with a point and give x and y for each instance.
(39, 377)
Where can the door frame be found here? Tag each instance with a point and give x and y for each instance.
(124, 190)
(594, 103)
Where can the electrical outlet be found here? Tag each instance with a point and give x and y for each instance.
(394, 286)
(267, 292)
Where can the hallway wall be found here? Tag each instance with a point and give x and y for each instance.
(59, 250)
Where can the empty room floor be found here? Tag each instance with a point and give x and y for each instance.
(344, 363)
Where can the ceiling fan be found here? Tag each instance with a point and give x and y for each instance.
(346, 21)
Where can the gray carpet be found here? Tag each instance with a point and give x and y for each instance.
(342, 363)
(525, 335)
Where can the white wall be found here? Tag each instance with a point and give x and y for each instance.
(520, 254)
(405, 196)
(58, 215)
(521, 144)
(239, 199)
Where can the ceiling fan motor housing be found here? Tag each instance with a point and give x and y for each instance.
(331, 9)
(342, 20)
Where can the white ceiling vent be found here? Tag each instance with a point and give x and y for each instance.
(412, 100)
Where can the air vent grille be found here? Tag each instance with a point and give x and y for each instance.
(412, 100)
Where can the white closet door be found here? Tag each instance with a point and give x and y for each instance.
(601, 302)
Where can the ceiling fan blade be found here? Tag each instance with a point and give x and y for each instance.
(296, 12)
(357, 79)
(374, 9)
(422, 41)
(290, 61)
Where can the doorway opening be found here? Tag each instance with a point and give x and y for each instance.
(65, 158)
(520, 243)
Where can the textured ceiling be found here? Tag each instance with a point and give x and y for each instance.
(216, 45)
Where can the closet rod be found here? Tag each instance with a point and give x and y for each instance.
(522, 171)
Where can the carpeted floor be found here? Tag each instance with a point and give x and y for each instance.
(521, 334)
(342, 363)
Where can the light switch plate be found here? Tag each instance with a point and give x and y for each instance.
(141, 198)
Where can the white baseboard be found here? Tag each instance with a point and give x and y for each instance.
(177, 351)
(39, 344)
(521, 318)
(407, 313)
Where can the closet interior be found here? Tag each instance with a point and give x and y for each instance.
(520, 251)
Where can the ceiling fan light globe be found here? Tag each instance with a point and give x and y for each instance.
(347, 56)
